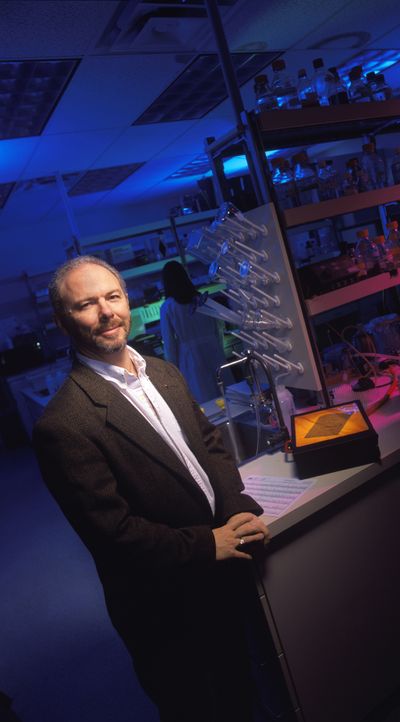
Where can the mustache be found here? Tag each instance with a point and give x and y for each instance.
(106, 327)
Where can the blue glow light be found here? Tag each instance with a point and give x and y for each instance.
(238, 164)
(372, 61)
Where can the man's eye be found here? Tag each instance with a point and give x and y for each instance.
(115, 297)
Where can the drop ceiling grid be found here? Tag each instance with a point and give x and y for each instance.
(191, 142)
(142, 181)
(141, 143)
(110, 92)
(15, 156)
(279, 24)
(335, 31)
(134, 188)
(29, 207)
(200, 87)
(102, 179)
(52, 28)
(29, 92)
(69, 152)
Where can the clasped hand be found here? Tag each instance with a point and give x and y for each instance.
(244, 526)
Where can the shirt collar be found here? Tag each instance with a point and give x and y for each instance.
(115, 372)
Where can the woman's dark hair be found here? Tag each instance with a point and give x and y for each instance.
(177, 283)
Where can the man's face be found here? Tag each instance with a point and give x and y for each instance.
(97, 315)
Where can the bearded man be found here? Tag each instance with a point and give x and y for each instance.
(147, 484)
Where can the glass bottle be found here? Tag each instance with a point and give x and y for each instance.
(395, 166)
(323, 80)
(367, 255)
(386, 254)
(282, 178)
(393, 240)
(337, 91)
(370, 79)
(359, 91)
(382, 90)
(360, 178)
(325, 188)
(305, 179)
(335, 179)
(265, 98)
(283, 86)
(374, 165)
(306, 91)
(350, 179)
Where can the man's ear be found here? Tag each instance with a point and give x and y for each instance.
(61, 325)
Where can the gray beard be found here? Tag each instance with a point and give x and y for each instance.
(110, 347)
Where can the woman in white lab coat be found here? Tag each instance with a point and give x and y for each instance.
(192, 341)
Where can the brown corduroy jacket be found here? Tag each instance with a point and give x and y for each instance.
(129, 498)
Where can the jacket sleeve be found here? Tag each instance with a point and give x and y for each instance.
(170, 340)
(81, 480)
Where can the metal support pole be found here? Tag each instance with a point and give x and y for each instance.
(255, 153)
(218, 175)
(179, 246)
(225, 59)
(256, 173)
(75, 246)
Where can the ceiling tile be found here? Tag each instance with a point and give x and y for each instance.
(140, 143)
(350, 25)
(109, 91)
(14, 157)
(46, 28)
(69, 152)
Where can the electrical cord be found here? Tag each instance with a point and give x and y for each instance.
(377, 404)
(359, 353)
(366, 356)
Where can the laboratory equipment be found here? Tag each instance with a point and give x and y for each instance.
(246, 252)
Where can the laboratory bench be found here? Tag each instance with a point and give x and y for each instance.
(329, 583)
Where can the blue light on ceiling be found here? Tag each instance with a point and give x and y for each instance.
(238, 164)
(372, 61)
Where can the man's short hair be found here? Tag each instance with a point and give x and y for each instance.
(62, 271)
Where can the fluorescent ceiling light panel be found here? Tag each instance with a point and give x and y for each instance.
(102, 179)
(198, 166)
(29, 93)
(201, 87)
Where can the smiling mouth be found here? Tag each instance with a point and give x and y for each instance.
(109, 331)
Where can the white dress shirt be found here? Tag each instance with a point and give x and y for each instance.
(143, 395)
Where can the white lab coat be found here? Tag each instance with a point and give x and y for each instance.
(194, 343)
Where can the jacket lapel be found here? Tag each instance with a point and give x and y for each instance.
(122, 415)
(167, 386)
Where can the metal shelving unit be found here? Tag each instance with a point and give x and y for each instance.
(287, 128)
(349, 294)
(340, 206)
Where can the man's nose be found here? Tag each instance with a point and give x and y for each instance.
(105, 309)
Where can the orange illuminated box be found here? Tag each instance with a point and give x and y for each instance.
(330, 439)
